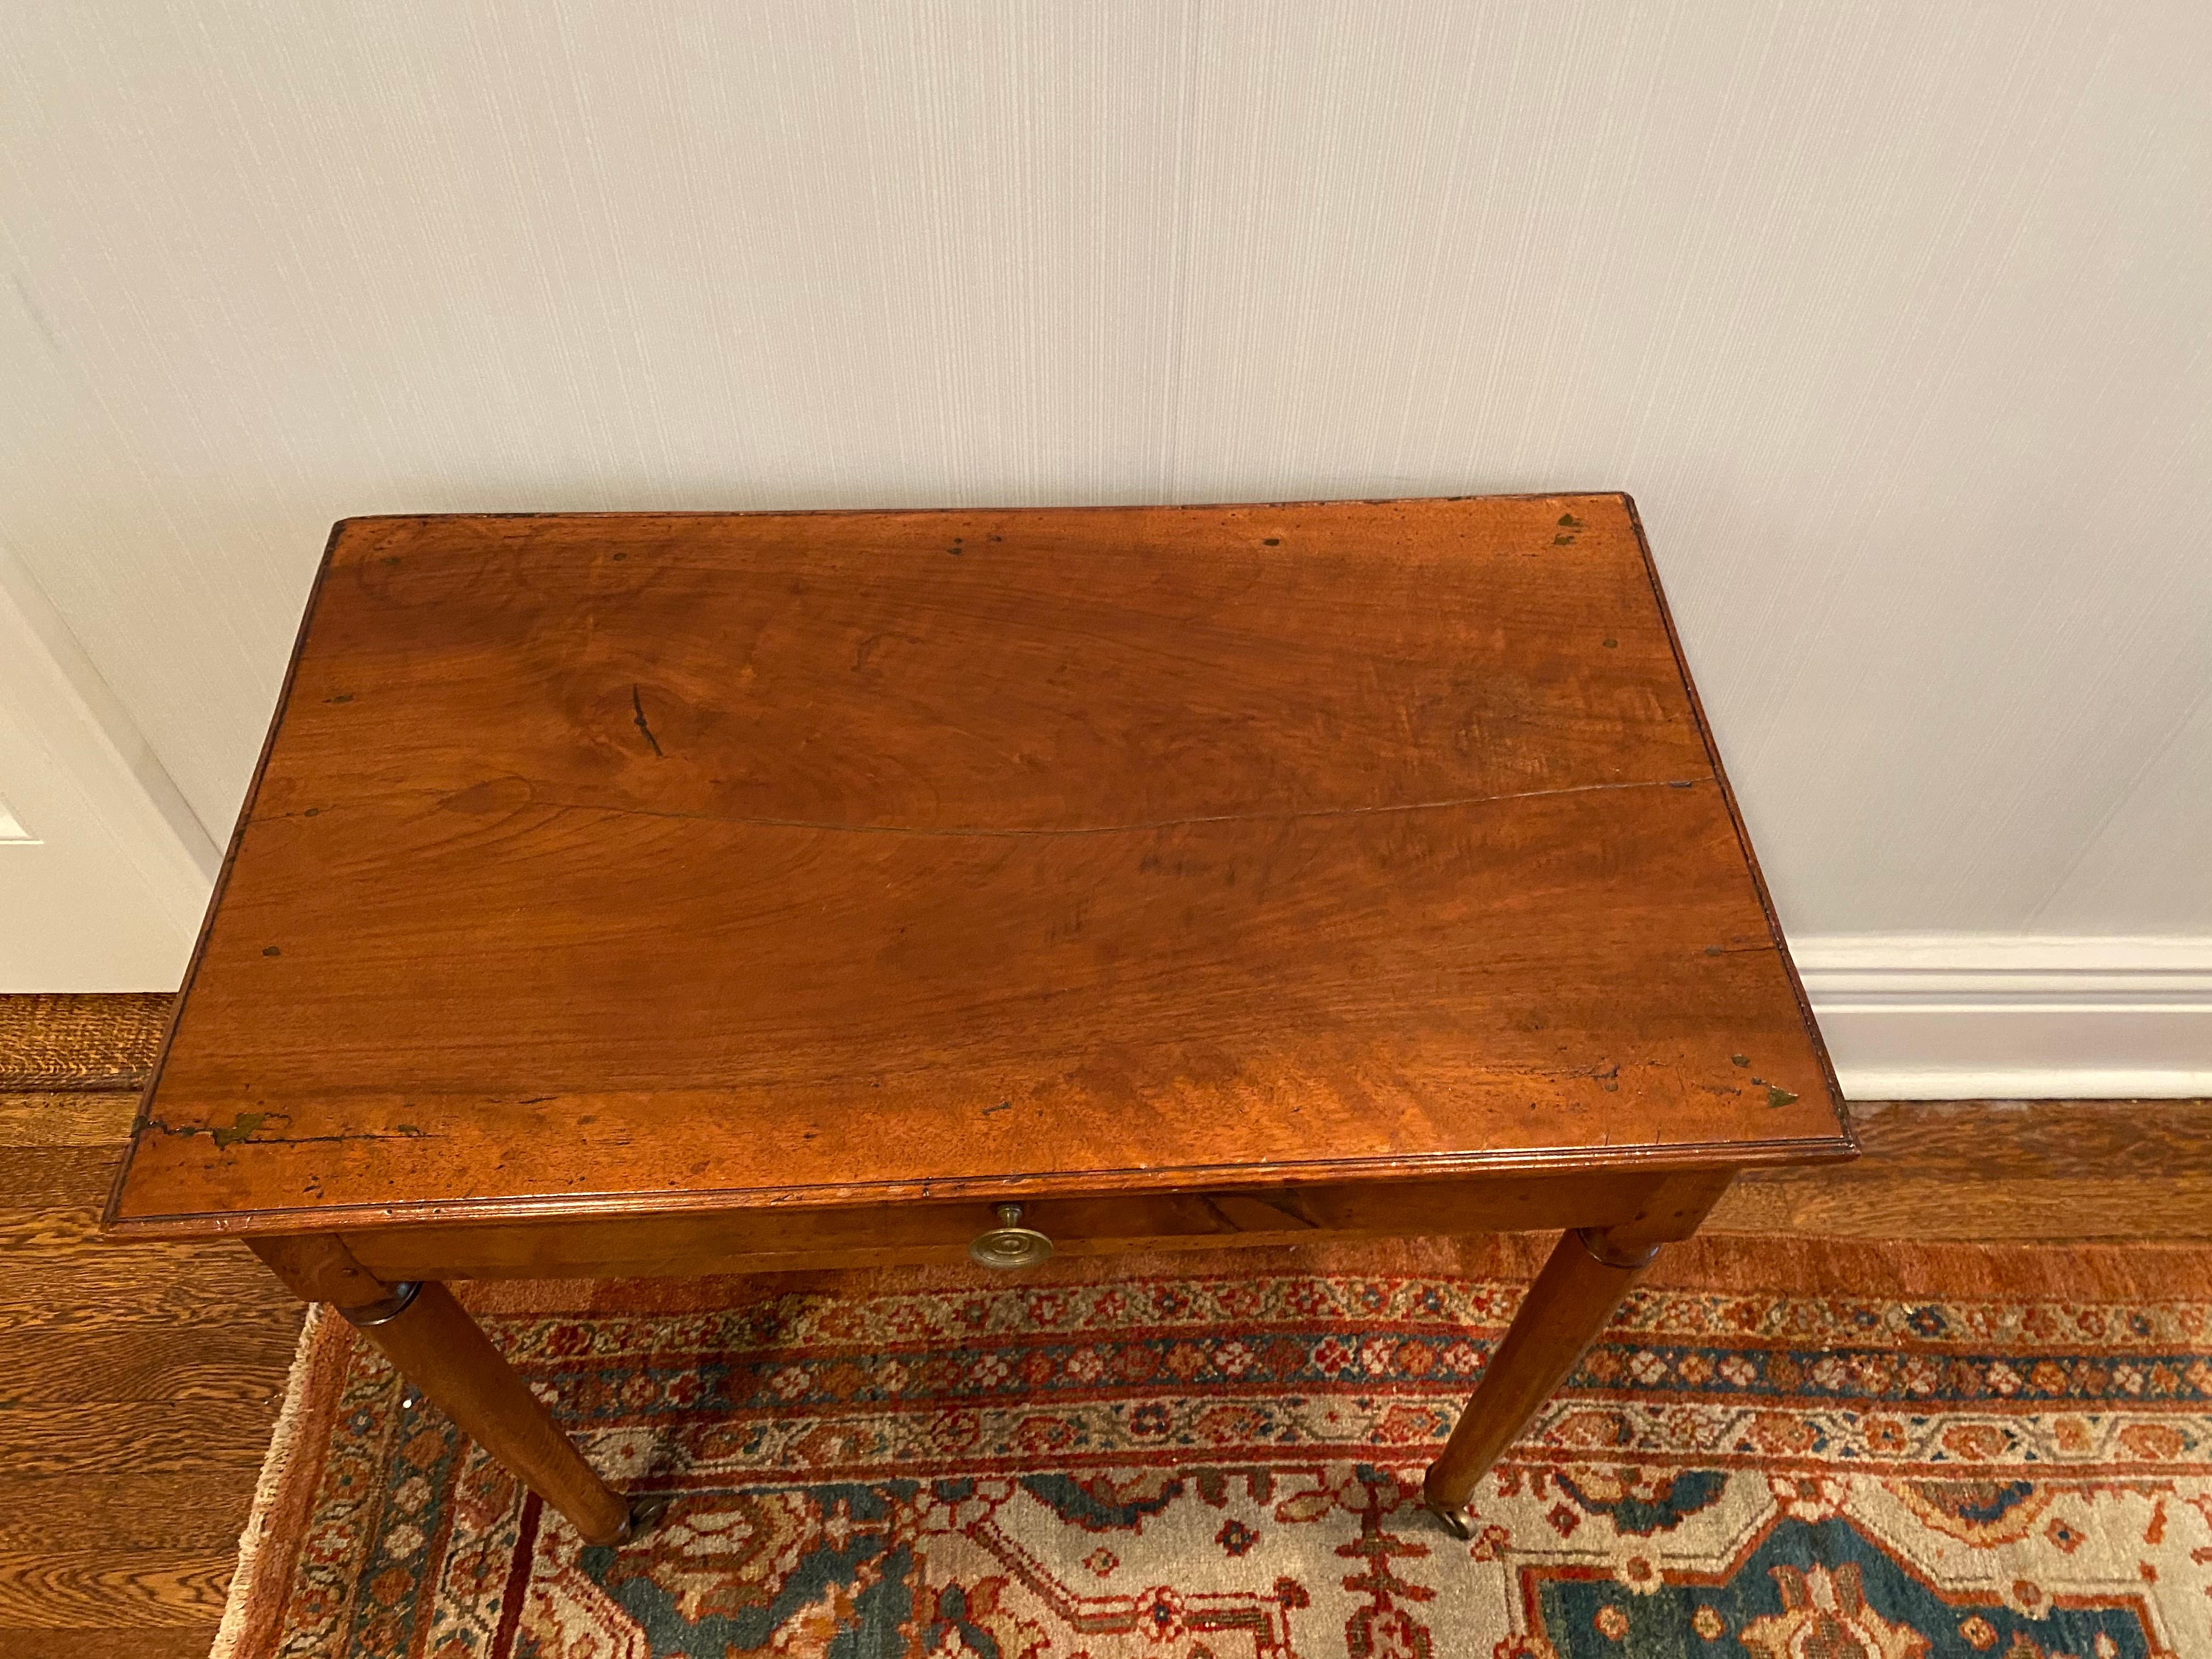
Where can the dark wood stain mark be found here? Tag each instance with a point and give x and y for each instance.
(241, 1128)
(637, 708)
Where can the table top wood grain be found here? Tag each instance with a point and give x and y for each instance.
(627, 864)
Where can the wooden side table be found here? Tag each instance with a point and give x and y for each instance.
(668, 894)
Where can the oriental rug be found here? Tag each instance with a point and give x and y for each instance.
(1781, 1448)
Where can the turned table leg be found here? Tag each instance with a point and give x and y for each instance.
(432, 1342)
(1590, 1270)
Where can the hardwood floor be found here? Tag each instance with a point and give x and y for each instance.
(1999, 1171)
(137, 1387)
(138, 1384)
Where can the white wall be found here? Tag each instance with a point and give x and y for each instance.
(104, 870)
(1893, 316)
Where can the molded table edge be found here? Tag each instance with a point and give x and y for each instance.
(311, 1219)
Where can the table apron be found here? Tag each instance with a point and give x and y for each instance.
(1651, 1206)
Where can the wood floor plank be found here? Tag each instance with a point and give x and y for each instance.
(94, 1589)
(194, 1511)
(2047, 1211)
(40, 1177)
(2012, 1139)
(133, 1436)
(55, 1119)
(178, 1641)
(104, 1296)
(239, 1363)
(2046, 1171)
(61, 1041)
(62, 1275)
(71, 1234)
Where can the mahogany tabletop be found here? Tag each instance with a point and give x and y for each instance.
(627, 864)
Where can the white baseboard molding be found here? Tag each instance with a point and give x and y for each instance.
(2010, 1016)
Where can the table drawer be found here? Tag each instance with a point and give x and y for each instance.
(786, 1238)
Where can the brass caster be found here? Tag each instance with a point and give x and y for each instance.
(644, 1514)
(1454, 1520)
(397, 1300)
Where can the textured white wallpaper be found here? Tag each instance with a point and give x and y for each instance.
(1893, 317)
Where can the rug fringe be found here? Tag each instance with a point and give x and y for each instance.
(244, 1577)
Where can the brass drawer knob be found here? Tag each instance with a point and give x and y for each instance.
(1010, 1244)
